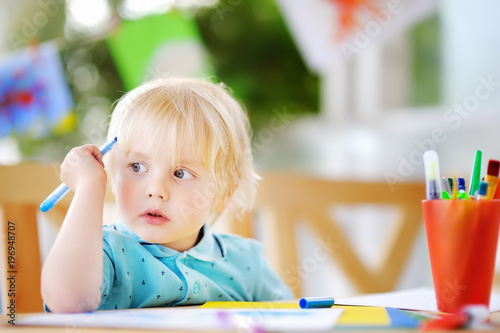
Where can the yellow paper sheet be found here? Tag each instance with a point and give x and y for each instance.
(363, 316)
(352, 315)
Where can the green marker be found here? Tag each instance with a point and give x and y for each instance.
(445, 189)
(476, 174)
(450, 182)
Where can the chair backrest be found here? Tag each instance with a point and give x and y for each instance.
(23, 187)
(290, 199)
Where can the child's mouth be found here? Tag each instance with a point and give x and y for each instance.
(154, 217)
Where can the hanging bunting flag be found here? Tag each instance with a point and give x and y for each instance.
(329, 32)
(168, 44)
(34, 95)
(348, 12)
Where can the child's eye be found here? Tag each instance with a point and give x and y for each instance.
(183, 174)
(138, 167)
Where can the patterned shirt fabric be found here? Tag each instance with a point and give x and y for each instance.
(220, 267)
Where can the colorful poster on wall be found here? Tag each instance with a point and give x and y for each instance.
(35, 98)
(167, 44)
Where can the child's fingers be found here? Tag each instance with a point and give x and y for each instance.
(96, 153)
(91, 150)
(82, 159)
(78, 155)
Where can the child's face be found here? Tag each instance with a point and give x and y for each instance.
(161, 203)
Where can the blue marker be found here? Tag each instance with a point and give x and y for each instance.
(316, 302)
(62, 189)
(483, 190)
(461, 192)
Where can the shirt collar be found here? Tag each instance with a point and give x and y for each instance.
(211, 247)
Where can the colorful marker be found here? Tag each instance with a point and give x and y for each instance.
(492, 177)
(450, 182)
(483, 190)
(461, 192)
(453, 186)
(472, 316)
(447, 322)
(475, 177)
(316, 302)
(446, 190)
(432, 178)
(62, 189)
(497, 193)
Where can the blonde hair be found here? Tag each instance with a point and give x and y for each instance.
(179, 110)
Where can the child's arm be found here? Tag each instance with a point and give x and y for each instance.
(72, 272)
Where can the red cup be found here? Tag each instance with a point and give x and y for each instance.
(462, 236)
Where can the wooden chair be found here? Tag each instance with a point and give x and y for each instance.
(291, 198)
(22, 189)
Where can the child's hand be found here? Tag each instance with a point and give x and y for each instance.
(83, 165)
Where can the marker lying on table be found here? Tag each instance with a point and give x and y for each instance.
(474, 317)
(316, 302)
(62, 189)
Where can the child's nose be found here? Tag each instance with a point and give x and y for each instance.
(161, 196)
(158, 190)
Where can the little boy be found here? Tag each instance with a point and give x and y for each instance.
(182, 161)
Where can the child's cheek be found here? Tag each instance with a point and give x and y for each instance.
(200, 202)
(127, 196)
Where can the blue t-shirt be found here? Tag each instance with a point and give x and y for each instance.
(219, 268)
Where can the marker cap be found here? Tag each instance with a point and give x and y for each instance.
(483, 188)
(316, 302)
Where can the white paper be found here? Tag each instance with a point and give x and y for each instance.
(194, 319)
(422, 299)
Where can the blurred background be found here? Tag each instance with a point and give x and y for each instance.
(345, 90)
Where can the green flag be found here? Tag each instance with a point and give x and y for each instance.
(168, 44)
